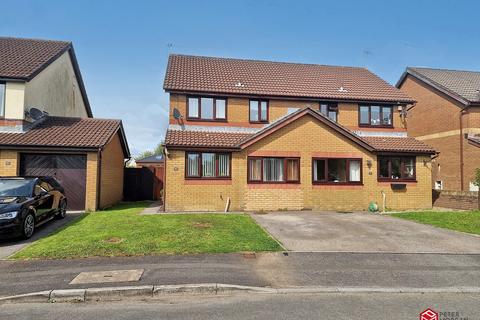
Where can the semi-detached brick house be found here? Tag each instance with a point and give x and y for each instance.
(253, 135)
(61, 138)
(447, 117)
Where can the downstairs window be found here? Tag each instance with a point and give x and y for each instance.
(391, 168)
(337, 171)
(207, 165)
(273, 170)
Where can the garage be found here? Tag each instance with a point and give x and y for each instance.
(69, 170)
(86, 155)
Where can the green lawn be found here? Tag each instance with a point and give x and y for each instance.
(465, 221)
(120, 231)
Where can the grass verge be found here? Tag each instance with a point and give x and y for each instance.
(465, 221)
(121, 231)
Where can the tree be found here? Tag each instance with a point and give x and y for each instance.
(148, 153)
(476, 182)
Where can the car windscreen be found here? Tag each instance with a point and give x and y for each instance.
(16, 188)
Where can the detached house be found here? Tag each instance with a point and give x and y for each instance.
(46, 124)
(253, 135)
(447, 117)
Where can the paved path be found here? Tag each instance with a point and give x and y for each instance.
(362, 232)
(10, 246)
(305, 306)
(268, 269)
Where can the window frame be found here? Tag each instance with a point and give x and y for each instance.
(330, 105)
(347, 168)
(259, 111)
(402, 167)
(199, 118)
(285, 159)
(4, 83)
(200, 169)
(370, 125)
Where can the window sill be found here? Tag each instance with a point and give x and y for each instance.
(207, 179)
(375, 126)
(337, 183)
(258, 122)
(206, 120)
(397, 181)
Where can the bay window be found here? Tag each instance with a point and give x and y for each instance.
(206, 108)
(376, 116)
(207, 165)
(337, 171)
(258, 111)
(273, 170)
(391, 168)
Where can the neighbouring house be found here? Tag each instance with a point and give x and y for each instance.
(447, 117)
(252, 135)
(46, 124)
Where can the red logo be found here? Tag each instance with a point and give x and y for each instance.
(429, 314)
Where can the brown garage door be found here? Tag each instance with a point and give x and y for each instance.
(69, 170)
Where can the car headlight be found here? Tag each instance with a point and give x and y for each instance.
(8, 215)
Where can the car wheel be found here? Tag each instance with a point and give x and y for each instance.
(28, 226)
(62, 209)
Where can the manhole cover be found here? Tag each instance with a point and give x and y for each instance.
(108, 276)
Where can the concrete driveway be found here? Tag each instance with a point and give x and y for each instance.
(10, 246)
(362, 232)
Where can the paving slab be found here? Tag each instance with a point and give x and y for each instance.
(108, 276)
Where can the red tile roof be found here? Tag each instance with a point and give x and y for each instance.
(177, 138)
(184, 139)
(267, 78)
(24, 58)
(398, 144)
(65, 132)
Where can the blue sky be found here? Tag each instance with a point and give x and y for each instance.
(122, 46)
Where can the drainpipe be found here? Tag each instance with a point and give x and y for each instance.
(460, 116)
(164, 195)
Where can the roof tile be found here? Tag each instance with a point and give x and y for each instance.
(64, 132)
(22, 58)
(267, 78)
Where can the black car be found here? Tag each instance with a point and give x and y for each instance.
(27, 202)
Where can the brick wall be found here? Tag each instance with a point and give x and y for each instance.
(442, 132)
(111, 187)
(92, 178)
(9, 163)
(309, 138)
(456, 200)
(238, 112)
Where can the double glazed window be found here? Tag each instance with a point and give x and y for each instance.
(2, 99)
(207, 165)
(258, 111)
(273, 170)
(396, 168)
(337, 170)
(203, 108)
(376, 116)
(329, 110)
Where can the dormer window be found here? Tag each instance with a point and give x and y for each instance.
(375, 116)
(206, 109)
(2, 99)
(329, 110)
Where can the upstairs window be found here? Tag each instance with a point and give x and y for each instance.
(258, 111)
(329, 110)
(396, 168)
(337, 171)
(376, 116)
(2, 99)
(207, 165)
(273, 170)
(208, 109)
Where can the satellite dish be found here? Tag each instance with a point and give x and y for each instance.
(176, 114)
(36, 114)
